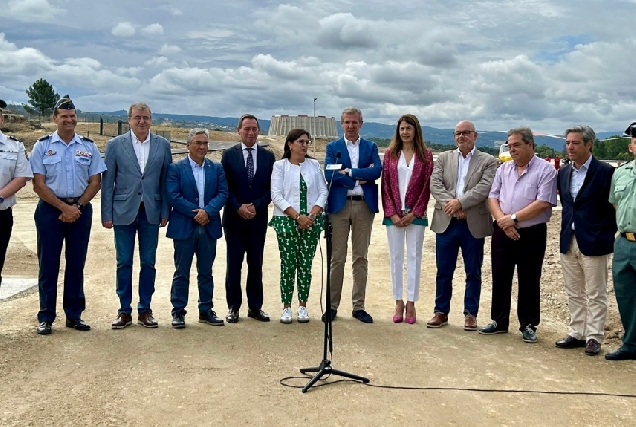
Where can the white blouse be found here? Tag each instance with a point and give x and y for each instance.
(286, 185)
(404, 176)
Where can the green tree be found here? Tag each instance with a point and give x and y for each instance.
(42, 97)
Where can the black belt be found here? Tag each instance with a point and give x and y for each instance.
(355, 198)
(69, 200)
(461, 221)
(629, 236)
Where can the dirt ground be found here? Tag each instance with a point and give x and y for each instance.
(230, 375)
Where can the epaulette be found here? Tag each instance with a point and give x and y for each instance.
(13, 138)
(45, 137)
(85, 138)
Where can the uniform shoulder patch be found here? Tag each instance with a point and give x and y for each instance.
(85, 138)
(13, 138)
(45, 137)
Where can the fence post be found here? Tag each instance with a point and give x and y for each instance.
(101, 126)
(118, 127)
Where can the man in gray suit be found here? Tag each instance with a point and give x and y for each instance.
(460, 184)
(134, 202)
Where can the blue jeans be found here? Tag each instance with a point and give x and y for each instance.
(448, 243)
(148, 235)
(201, 244)
(52, 233)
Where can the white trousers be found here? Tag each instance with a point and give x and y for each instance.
(585, 279)
(413, 236)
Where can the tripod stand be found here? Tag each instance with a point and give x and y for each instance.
(325, 367)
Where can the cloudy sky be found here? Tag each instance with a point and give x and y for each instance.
(546, 64)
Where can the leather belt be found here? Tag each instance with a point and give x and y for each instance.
(355, 198)
(629, 236)
(69, 200)
(461, 221)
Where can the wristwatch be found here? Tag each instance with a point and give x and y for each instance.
(80, 206)
(1, 200)
(514, 217)
(347, 171)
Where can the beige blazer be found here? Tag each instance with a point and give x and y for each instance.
(481, 173)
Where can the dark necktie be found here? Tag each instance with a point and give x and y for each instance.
(250, 165)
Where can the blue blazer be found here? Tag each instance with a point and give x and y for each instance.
(183, 196)
(124, 187)
(340, 183)
(592, 213)
(241, 191)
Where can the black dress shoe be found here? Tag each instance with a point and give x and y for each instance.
(178, 321)
(232, 316)
(593, 347)
(258, 315)
(570, 342)
(78, 325)
(210, 318)
(333, 312)
(620, 354)
(362, 316)
(44, 328)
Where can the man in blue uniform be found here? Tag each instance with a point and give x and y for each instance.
(14, 174)
(66, 176)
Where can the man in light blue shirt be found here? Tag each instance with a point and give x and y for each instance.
(66, 175)
(197, 190)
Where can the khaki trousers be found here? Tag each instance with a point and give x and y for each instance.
(585, 279)
(356, 216)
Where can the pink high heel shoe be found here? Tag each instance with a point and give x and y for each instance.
(399, 318)
(411, 320)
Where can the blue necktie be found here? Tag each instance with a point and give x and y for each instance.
(250, 165)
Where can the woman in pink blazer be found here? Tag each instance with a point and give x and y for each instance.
(406, 171)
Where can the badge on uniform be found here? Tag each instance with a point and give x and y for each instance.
(50, 153)
(84, 154)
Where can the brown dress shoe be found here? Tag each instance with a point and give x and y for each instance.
(123, 320)
(146, 320)
(437, 321)
(470, 323)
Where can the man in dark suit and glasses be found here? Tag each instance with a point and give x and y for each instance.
(248, 170)
(588, 226)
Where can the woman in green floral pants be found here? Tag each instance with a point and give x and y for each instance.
(299, 194)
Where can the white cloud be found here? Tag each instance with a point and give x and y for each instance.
(157, 61)
(123, 29)
(34, 10)
(171, 9)
(167, 49)
(152, 30)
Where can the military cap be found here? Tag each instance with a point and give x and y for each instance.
(631, 130)
(65, 103)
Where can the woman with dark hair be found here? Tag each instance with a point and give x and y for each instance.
(299, 194)
(406, 173)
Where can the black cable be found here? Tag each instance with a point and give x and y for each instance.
(479, 390)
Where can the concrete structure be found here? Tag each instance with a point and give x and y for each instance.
(319, 127)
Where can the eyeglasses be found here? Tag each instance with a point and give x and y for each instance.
(303, 141)
(464, 133)
(140, 118)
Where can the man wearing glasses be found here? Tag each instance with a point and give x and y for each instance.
(460, 184)
(134, 203)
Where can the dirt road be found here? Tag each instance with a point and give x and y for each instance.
(229, 375)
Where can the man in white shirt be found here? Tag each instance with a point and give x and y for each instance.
(134, 203)
(460, 184)
(352, 205)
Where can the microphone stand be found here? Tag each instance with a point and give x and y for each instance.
(325, 368)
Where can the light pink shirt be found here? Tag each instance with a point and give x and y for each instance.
(515, 192)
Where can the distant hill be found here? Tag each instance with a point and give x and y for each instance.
(369, 129)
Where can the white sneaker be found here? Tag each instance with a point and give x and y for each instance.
(303, 316)
(286, 315)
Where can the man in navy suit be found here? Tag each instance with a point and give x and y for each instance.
(248, 170)
(588, 226)
(352, 204)
(134, 203)
(197, 191)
